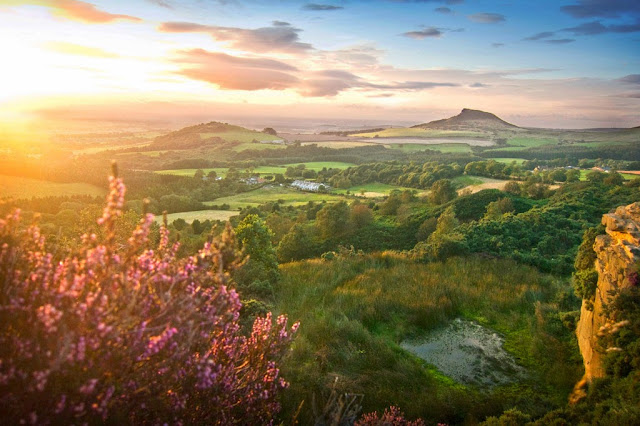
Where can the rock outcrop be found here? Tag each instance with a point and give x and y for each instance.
(618, 254)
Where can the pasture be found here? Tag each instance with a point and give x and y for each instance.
(273, 194)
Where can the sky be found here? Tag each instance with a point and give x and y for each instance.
(544, 63)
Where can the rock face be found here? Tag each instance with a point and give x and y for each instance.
(618, 253)
(469, 119)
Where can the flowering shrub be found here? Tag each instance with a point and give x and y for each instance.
(392, 416)
(130, 334)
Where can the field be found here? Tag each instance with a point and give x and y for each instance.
(200, 215)
(356, 312)
(402, 132)
(509, 160)
(20, 187)
(272, 194)
(627, 176)
(338, 144)
(373, 190)
(442, 147)
(262, 170)
(246, 136)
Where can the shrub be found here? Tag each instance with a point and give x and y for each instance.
(128, 334)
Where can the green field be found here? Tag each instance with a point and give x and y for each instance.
(273, 194)
(20, 187)
(256, 146)
(200, 215)
(262, 170)
(419, 133)
(241, 136)
(518, 161)
(221, 171)
(627, 176)
(466, 180)
(374, 189)
(338, 144)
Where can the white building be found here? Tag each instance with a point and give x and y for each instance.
(305, 185)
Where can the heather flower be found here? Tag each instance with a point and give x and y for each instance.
(130, 333)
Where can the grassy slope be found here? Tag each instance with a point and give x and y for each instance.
(355, 312)
(20, 187)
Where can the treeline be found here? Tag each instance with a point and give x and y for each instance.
(616, 152)
(411, 175)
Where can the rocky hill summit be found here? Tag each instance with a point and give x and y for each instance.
(618, 256)
(469, 119)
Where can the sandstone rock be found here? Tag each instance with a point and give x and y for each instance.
(618, 253)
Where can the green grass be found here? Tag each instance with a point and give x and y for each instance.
(627, 176)
(355, 312)
(262, 170)
(338, 144)
(378, 189)
(466, 180)
(509, 160)
(241, 136)
(256, 146)
(273, 194)
(442, 147)
(20, 187)
(221, 171)
(201, 215)
(422, 133)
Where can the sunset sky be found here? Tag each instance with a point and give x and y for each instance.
(547, 63)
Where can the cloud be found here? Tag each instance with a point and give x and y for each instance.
(429, 32)
(603, 8)
(320, 7)
(76, 10)
(479, 85)
(496, 45)
(596, 27)
(560, 41)
(280, 24)
(161, 3)
(540, 36)
(79, 50)
(444, 10)
(630, 95)
(631, 79)
(487, 18)
(255, 73)
(235, 73)
(277, 38)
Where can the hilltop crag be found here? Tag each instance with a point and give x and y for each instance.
(618, 254)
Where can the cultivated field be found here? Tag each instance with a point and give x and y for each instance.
(200, 215)
(20, 187)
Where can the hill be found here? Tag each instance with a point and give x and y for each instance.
(469, 119)
(208, 134)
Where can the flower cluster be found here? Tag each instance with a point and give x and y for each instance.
(130, 334)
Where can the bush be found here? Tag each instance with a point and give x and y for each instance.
(128, 334)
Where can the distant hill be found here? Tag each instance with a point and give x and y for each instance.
(469, 119)
(208, 134)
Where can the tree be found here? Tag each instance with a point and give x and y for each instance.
(295, 245)
(199, 174)
(426, 228)
(614, 179)
(512, 187)
(361, 215)
(333, 220)
(595, 176)
(269, 131)
(442, 191)
(573, 175)
(128, 334)
(496, 209)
